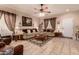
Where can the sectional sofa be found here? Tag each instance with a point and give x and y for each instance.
(30, 33)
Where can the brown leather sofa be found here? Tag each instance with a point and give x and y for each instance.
(7, 41)
(2, 44)
(18, 50)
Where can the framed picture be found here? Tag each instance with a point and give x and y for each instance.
(26, 21)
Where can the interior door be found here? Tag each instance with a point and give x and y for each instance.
(67, 27)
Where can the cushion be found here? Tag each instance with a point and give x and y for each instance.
(31, 31)
(34, 31)
(44, 30)
(28, 31)
(25, 30)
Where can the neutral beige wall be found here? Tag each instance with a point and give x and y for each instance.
(35, 21)
(70, 15)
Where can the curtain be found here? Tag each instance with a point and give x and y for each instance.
(13, 21)
(1, 12)
(10, 20)
(46, 21)
(53, 22)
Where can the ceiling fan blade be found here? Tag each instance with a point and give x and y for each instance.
(47, 11)
(46, 8)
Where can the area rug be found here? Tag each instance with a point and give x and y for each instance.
(39, 42)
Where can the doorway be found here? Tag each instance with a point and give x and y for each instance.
(67, 25)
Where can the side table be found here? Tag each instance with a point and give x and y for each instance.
(18, 37)
(58, 34)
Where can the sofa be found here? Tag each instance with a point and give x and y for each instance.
(18, 50)
(49, 32)
(6, 39)
(29, 33)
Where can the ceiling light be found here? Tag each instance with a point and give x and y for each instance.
(67, 10)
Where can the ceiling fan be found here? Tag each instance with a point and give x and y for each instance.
(42, 9)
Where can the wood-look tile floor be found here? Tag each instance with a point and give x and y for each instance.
(56, 46)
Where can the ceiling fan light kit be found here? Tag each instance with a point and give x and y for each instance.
(41, 14)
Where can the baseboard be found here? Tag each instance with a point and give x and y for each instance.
(67, 37)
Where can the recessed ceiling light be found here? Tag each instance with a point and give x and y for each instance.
(67, 10)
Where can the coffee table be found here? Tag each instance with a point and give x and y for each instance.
(41, 37)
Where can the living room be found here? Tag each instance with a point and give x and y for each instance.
(39, 27)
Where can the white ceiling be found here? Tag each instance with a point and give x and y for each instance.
(55, 8)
